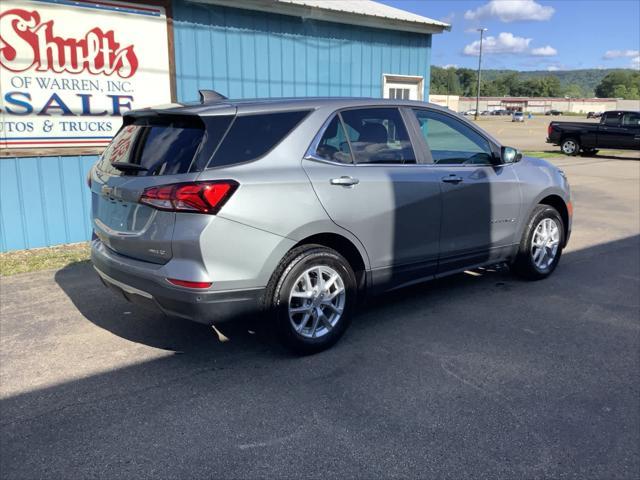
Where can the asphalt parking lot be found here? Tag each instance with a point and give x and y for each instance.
(480, 375)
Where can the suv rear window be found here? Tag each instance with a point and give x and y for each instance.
(160, 146)
(252, 136)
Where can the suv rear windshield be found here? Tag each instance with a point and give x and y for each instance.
(158, 146)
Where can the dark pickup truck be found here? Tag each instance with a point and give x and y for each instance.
(617, 129)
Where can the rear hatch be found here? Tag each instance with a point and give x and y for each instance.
(152, 148)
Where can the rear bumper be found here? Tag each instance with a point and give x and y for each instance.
(144, 286)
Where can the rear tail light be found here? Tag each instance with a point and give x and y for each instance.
(549, 130)
(196, 197)
(189, 284)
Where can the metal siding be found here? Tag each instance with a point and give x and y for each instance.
(246, 54)
(44, 201)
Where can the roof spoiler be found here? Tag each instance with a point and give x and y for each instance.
(210, 96)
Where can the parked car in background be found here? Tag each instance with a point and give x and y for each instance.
(617, 129)
(555, 113)
(594, 114)
(298, 207)
(517, 117)
(485, 113)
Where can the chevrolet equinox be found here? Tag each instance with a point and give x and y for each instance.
(298, 207)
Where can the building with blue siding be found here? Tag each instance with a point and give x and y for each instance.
(242, 49)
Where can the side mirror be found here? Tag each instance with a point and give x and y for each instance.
(509, 155)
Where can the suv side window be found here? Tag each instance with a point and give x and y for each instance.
(631, 119)
(452, 142)
(251, 136)
(333, 145)
(378, 135)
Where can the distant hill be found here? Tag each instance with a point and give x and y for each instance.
(587, 78)
(574, 83)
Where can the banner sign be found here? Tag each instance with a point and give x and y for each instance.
(70, 68)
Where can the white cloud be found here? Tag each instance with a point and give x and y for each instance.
(552, 68)
(504, 43)
(450, 65)
(635, 62)
(511, 11)
(620, 54)
(547, 51)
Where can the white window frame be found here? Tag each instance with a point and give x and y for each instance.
(412, 80)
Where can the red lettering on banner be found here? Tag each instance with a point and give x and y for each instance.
(27, 42)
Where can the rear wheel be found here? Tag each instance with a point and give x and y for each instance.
(541, 245)
(570, 146)
(312, 295)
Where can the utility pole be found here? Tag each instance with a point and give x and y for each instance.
(481, 30)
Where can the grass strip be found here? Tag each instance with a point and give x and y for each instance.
(36, 259)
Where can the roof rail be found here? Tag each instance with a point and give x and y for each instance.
(207, 96)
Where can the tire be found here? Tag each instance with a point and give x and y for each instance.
(529, 263)
(304, 324)
(589, 152)
(570, 146)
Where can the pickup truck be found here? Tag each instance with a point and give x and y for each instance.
(617, 129)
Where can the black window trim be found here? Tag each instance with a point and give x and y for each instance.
(201, 166)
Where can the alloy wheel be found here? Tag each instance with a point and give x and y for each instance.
(545, 243)
(317, 301)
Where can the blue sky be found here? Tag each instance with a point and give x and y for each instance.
(534, 34)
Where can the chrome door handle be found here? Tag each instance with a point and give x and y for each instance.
(345, 181)
(452, 179)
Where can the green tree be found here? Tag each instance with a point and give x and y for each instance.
(619, 91)
(508, 83)
(573, 91)
(453, 83)
(552, 87)
(620, 84)
(468, 81)
(438, 81)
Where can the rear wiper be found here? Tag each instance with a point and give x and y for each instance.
(124, 167)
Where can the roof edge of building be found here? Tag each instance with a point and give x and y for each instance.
(421, 24)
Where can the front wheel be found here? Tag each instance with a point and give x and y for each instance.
(541, 245)
(312, 298)
(570, 146)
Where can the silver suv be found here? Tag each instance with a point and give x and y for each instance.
(298, 207)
